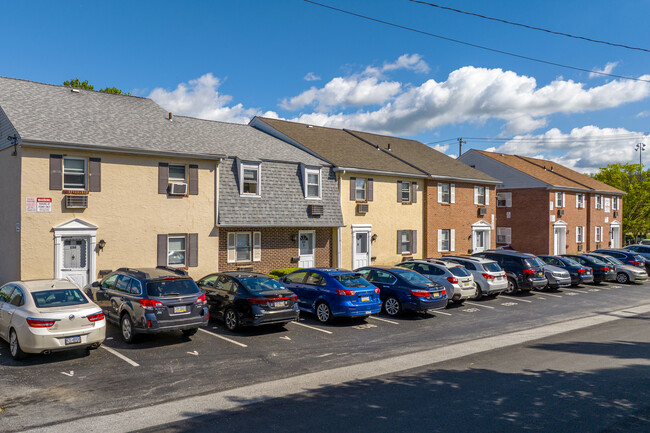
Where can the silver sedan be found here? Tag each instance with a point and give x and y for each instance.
(48, 315)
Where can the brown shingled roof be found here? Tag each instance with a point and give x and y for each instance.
(551, 172)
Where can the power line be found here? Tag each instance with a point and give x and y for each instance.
(475, 45)
(532, 27)
(602, 138)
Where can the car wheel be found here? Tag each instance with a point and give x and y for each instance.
(189, 332)
(512, 287)
(622, 278)
(231, 319)
(14, 346)
(479, 292)
(126, 324)
(323, 312)
(392, 306)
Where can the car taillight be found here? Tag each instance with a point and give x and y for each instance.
(488, 276)
(258, 301)
(420, 293)
(604, 268)
(293, 298)
(377, 290)
(635, 262)
(149, 303)
(201, 299)
(530, 271)
(452, 280)
(582, 271)
(96, 317)
(344, 292)
(41, 323)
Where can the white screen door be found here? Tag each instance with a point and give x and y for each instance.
(307, 249)
(361, 249)
(75, 259)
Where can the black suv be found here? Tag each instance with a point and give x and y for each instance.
(150, 300)
(525, 271)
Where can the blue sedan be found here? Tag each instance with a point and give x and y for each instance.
(329, 292)
(405, 290)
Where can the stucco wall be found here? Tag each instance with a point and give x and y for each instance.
(386, 215)
(9, 215)
(128, 211)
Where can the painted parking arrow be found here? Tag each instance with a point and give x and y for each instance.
(285, 338)
(195, 353)
(68, 374)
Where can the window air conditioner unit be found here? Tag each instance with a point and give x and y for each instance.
(597, 246)
(579, 247)
(316, 209)
(362, 208)
(76, 201)
(615, 213)
(177, 188)
(502, 239)
(560, 212)
(482, 211)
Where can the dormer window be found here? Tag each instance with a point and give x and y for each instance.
(312, 177)
(249, 179)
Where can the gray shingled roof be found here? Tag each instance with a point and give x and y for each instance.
(55, 114)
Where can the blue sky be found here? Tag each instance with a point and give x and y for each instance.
(230, 60)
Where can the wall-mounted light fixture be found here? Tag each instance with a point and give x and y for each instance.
(373, 237)
(294, 238)
(101, 244)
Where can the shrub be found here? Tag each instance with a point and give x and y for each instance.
(277, 273)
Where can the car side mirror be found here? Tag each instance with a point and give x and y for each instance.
(95, 284)
(282, 279)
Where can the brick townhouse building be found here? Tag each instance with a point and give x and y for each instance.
(546, 208)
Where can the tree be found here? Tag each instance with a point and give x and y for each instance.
(636, 204)
(75, 82)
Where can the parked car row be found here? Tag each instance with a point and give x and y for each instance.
(51, 315)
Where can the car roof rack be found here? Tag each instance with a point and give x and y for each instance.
(135, 272)
(177, 271)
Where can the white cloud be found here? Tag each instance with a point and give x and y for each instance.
(441, 147)
(412, 62)
(609, 67)
(643, 114)
(584, 149)
(311, 77)
(469, 94)
(201, 98)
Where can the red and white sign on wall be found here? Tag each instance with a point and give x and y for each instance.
(30, 204)
(38, 204)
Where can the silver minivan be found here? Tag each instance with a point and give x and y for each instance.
(490, 279)
(454, 277)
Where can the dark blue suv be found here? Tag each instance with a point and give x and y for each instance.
(151, 300)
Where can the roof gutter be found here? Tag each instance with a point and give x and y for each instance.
(135, 151)
(585, 190)
(466, 179)
(379, 172)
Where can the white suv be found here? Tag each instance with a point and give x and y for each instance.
(490, 279)
(455, 278)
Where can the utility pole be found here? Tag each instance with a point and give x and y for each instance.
(460, 146)
(640, 147)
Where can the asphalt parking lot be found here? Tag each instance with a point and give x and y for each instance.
(64, 386)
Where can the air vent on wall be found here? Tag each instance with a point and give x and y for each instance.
(362, 208)
(560, 212)
(615, 214)
(316, 209)
(482, 211)
(76, 201)
(579, 247)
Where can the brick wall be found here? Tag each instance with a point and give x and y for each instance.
(458, 216)
(574, 217)
(278, 247)
(529, 219)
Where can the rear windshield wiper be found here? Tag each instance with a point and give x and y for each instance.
(171, 294)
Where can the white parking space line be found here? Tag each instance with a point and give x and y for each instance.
(524, 300)
(573, 290)
(553, 296)
(119, 355)
(223, 338)
(383, 320)
(539, 297)
(479, 305)
(312, 327)
(443, 313)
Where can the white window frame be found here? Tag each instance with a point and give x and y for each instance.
(255, 247)
(364, 189)
(580, 234)
(504, 235)
(598, 201)
(598, 235)
(306, 172)
(178, 179)
(409, 188)
(580, 201)
(410, 242)
(614, 203)
(74, 188)
(451, 240)
(250, 166)
(177, 236)
(452, 193)
(559, 200)
(478, 195)
(505, 198)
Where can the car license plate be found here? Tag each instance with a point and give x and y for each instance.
(73, 340)
(365, 298)
(435, 294)
(279, 303)
(180, 309)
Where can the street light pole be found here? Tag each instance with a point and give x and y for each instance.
(640, 147)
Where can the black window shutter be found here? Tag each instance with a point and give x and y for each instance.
(353, 188)
(163, 177)
(193, 187)
(56, 169)
(193, 256)
(414, 192)
(94, 174)
(399, 242)
(162, 250)
(369, 186)
(414, 241)
(399, 191)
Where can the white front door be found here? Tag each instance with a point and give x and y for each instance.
(75, 256)
(307, 249)
(481, 240)
(361, 249)
(559, 240)
(615, 236)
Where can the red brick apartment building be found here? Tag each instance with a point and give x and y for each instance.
(545, 208)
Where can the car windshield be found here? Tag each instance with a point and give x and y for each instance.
(352, 280)
(412, 276)
(261, 284)
(459, 271)
(492, 267)
(598, 261)
(58, 298)
(172, 287)
(571, 262)
(534, 262)
(614, 260)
